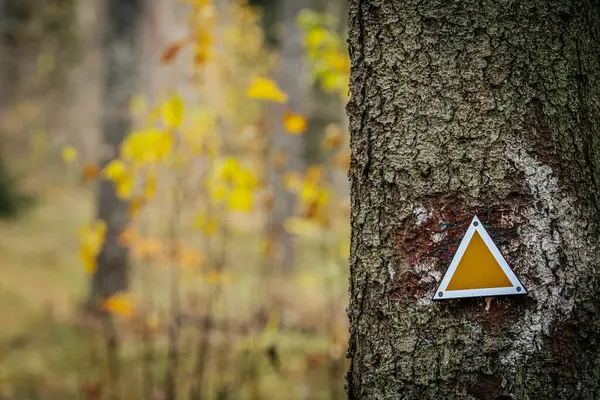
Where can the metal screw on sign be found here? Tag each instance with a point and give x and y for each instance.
(440, 294)
(518, 288)
(475, 223)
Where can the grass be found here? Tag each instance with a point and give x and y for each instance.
(39, 269)
(41, 282)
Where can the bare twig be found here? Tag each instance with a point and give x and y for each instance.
(175, 306)
(112, 356)
(147, 337)
(207, 327)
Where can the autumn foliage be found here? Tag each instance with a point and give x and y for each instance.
(196, 172)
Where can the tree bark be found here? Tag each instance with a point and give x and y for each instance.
(120, 62)
(463, 108)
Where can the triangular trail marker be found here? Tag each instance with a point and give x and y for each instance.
(478, 269)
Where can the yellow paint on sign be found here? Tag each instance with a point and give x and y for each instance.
(478, 268)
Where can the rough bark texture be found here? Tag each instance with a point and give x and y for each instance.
(462, 108)
(120, 37)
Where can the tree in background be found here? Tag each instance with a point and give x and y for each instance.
(7, 196)
(120, 62)
(45, 34)
(288, 145)
(474, 108)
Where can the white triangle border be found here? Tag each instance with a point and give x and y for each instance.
(516, 288)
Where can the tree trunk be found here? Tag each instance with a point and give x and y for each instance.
(11, 201)
(120, 38)
(463, 108)
(292, 83)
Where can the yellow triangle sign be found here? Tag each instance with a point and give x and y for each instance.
(478, 269)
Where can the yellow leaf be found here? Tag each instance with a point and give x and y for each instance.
(338, 62)
(333, 82)
(315, 37)
(204, 41)
(240, 200)
(309, 192)
(115, 170)
(91, 239)
(294, 124)
(118, 304)
(265, 89)
(229, 169)
(323, 197)
(245, 179)
(172, 112)
(69, 155)
(89, 261)
(147, 146)
(124, 187)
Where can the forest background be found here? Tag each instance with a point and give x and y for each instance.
(175, 201)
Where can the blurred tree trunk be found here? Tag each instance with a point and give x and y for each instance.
(6, 207)
(323, 108)
(10, 199)
(474, 108)
(120, 62)
(269, 13)
(291, 81)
